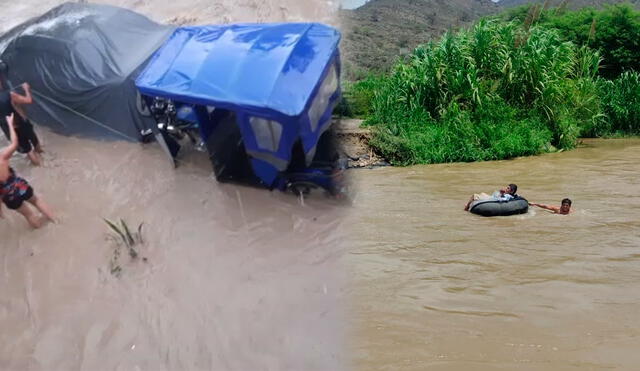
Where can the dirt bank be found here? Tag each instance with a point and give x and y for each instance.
(353, 140)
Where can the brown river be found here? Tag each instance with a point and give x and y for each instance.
(436, 288)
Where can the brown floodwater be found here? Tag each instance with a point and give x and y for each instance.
(235, 278)
(436, 288)
(228, 277)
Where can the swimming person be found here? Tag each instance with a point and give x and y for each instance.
(564, 209)
(504, 194)
(14, 190)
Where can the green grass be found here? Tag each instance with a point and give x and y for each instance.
(358, 96)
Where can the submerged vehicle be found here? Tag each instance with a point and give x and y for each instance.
(257, 97)
(81, 64)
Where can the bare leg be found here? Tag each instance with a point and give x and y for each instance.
(466, 208)
(36, 143)
(476, 197)
(31, 217)
(42, 206)
(35, 158)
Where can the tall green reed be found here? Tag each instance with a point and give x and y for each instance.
(491, 92)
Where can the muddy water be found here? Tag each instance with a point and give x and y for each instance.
(235, 278)
(437, 288)
(228, 277)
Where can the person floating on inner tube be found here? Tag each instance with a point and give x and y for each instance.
(504, 194)
(564, 209)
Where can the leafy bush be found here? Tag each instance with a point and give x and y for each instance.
(614, 31)
(495, 91)
(620, 104)
(357, 97)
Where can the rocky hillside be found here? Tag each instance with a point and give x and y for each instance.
(573, 4)
(381, 30)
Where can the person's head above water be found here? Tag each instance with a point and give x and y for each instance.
(512, 188)
(565, 206)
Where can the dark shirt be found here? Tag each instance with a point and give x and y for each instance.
(5, 110)
(5, 103)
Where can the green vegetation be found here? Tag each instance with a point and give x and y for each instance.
(358, 96)
(487, 93)
(614, 31)
(516, 85)
(621, 106)
(122, 236)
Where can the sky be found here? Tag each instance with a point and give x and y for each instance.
(352, 4)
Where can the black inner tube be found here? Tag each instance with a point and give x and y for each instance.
(492, 207)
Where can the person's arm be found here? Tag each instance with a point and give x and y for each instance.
(18, 99)
(11, 148)
(547, 207)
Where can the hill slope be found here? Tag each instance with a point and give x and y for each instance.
(376, 33)
(574, 4)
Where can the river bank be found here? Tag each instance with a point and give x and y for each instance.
(353, 144)
(353, 139)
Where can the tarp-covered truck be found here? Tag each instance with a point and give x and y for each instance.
(257, 97)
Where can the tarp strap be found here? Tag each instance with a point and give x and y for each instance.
(96, 122)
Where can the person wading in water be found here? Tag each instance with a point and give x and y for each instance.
(14, 190)
(12, 102)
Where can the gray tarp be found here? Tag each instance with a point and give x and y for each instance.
(81, 61)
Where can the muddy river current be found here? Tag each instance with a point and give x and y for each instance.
(436, 288)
